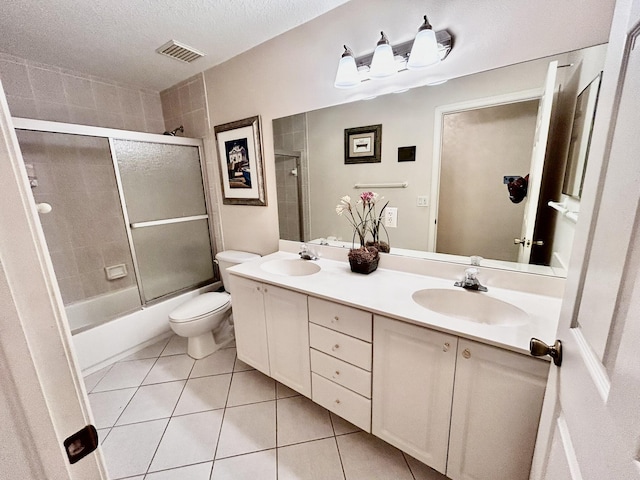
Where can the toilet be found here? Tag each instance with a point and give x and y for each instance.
(206, 319)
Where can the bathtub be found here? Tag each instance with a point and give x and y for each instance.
(108, 342)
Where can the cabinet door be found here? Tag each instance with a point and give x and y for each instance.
(496, 408)
(288, 336)
(249, 323)
(413, 371)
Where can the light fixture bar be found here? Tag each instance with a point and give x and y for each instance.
(443, 37)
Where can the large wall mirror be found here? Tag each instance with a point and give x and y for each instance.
(468, 137)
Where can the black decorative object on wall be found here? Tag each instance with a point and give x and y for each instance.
(407, 154)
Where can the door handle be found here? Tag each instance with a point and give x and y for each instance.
(539, 243)
(517, 241)
(539, 349)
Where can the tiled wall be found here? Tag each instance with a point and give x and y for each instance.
(290, 134)
(85, 230)
(46, 92)
(185, 104)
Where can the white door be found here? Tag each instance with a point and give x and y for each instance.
(413, 372)
(249, 323)
(590, 428)
(42, 397)
(538, 153)
(287, 319)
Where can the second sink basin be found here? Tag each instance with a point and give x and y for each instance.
(470, 305)
(291, 266)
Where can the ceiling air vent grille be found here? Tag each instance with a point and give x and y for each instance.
(179, 51)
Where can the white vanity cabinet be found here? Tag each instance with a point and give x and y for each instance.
(413, 375)
(341, 356)
(497, 402)
(272, 331)
(466, 409)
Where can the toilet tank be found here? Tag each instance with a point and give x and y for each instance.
(229, 258)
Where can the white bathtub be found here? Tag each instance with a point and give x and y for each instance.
(109, 342)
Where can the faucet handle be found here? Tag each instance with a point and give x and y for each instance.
(476, 259)
(471, 273)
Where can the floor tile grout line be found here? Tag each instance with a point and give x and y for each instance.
(173, 410)
(176, 468)
(408, 466)
(165, 427)
(224, 412)
(132, 396)
(344, 474)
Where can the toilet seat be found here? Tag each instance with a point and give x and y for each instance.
(200, 307)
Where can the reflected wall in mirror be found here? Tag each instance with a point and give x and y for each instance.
(409, 119)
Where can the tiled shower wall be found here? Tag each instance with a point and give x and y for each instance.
(290, 134)
(185, 104)
(45, 92)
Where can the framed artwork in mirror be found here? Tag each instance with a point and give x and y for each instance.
(363, 144)
(580, 140)
(240, 158)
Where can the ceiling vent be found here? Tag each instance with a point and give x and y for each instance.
(179, 51)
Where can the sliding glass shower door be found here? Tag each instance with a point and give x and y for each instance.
(165, 206)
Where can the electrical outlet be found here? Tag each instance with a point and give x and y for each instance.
(391, 217)
(423, 201)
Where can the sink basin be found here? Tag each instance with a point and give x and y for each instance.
(295, 267)
(470, 305)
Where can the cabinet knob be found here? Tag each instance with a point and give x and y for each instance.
(338, 401)
(335, 319)
(257, 289)
(335, 347)
(445, 347)
(264, 289)
(337, 372)
(466, 353)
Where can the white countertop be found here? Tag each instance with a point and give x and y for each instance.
(388, 292)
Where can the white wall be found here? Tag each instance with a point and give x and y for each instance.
(294, 72)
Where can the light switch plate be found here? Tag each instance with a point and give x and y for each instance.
(423, 201)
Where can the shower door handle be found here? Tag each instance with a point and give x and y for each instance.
(167, 221)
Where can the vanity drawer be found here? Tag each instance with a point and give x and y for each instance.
(342, 373)
(349, 320)
(341, 401)
(341, 346)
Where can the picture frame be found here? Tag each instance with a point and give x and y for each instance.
(363, 144)
(239, 147)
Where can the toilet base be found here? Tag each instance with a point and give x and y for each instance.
(204, 345)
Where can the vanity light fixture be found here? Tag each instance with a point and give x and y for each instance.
(428, 48)
(424, 51)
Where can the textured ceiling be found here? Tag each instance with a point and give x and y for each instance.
(117, 39)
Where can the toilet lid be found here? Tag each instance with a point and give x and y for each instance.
(201, 305)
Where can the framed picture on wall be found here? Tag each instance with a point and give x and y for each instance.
(363, 144)
(240, 159)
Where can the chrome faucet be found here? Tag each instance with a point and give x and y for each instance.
(470, 281)
(306, 253)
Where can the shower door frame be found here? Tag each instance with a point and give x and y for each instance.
(112, 134)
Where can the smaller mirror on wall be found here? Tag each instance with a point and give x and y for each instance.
(581, 131)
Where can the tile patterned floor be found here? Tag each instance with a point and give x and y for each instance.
(163, 416)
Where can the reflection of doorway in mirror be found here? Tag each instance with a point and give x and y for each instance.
(290, 214)
(479, 147)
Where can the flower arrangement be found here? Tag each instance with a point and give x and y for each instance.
(365, 220)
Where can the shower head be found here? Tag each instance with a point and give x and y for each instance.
(175, 131)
